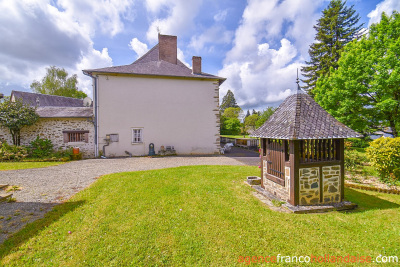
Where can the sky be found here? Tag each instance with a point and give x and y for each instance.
(257, 44)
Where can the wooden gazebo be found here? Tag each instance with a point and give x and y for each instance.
(302, 152)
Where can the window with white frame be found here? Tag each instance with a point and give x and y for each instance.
(137, 135)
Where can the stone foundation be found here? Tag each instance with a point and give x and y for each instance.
(309, 186)
(278, 190)
(52, 129)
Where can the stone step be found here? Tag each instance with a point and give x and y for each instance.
(3, 186)
(5, 197)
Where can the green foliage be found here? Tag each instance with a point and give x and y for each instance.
(232, 113)
(40, 148)
(56, 82)
(228, 101)
(384, 154)
(250, 121)
(16, 115)
(12, 152)
(364, 91)
(337, 26)
(265, 116)
(359, 142)
(353, 160)
(230, 126)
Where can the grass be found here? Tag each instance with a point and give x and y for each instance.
(6, 166)
(195, 216)
(237, 136)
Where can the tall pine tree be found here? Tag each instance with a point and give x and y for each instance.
(337, 26)
(228, 101)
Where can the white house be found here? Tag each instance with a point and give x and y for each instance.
(157, 99)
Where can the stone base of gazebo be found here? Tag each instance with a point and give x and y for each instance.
(266, 197)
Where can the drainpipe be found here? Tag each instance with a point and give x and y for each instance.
(96, 105)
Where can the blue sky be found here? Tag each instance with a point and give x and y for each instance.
(256, 44)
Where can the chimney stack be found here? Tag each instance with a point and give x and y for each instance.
(167, 47)
(196, 65)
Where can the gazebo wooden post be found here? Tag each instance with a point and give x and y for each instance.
(341, 158)
(294, 160)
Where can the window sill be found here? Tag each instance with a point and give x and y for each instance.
(76, 143)
(137, 143)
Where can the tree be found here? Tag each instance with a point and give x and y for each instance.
(232, 113)
(248, 113)
(254, 112)
(56, 82)
(364, 92)
(337, 27)
(228, 101)
(250, 121)
(15, 116)
(230, 126)
(264, 116)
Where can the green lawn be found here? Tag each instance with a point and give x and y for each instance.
(5, 166)
(236, 136)
(196, 216)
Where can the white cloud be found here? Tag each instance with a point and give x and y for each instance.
(103, 15)
(179, 21)
(387, 6)
(139, 47)
(221, 15)
(270, 44)
(35, 35)
(216, 34)
(92, 59)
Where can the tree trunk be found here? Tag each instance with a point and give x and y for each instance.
(393, 127)
(16, 137)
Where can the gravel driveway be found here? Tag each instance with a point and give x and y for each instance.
(43, 188)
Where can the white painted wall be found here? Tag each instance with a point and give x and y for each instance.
(172, 112)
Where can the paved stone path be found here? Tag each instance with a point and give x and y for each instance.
(45, 187)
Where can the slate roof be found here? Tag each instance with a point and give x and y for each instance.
(149, 64)
(41, 100)
(300, 117)
(65, 112)
(51, 106)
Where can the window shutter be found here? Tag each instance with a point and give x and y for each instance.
(86, 137)
(65, 135)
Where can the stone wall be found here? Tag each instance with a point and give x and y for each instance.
(52, 128)
(331, 179)
(309, 186)
(283, 192)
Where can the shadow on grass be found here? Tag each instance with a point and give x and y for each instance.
(368, 201)
(31, 229)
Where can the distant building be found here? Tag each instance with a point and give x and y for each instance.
(66, 121)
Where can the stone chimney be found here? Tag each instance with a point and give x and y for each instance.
(167, 47)
(196, 65)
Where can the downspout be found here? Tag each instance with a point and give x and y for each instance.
(96, 120)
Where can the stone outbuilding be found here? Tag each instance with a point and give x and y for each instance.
(66, 121)
(302, 153)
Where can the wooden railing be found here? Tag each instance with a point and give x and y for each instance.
(319, 150)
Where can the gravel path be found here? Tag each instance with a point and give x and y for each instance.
(43, 188)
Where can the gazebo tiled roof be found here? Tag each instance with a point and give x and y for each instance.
(300, 117)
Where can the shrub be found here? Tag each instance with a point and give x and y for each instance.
(353, 160)
(384, 154)
(359, 142)
(11, 152)
(40, 148)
